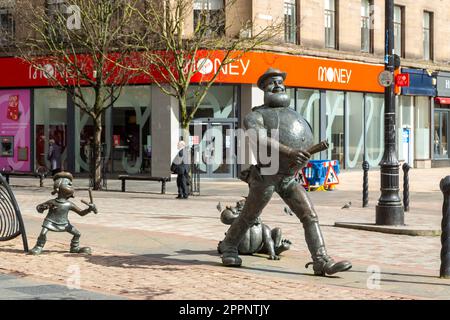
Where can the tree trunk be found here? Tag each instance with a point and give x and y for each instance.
(97, 174)
(185, 121)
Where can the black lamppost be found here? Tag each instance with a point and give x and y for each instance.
(389, 210)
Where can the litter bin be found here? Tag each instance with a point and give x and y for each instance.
(321, 174)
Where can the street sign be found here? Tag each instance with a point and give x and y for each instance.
(331, 177)
(402, 80)
(385, 78)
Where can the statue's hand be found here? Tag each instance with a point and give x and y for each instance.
(299, 157)
(42, 207)
(92, 208)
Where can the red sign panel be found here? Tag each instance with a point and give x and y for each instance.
(314, 72)
(402, 80)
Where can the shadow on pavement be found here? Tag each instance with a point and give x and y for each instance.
(415, 282)
(145, 261)
(401, 274)
(44, 252)
(383, 279)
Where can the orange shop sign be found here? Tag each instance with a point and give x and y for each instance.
(301, 71)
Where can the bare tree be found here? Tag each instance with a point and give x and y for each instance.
(76, 45)
(179, 38)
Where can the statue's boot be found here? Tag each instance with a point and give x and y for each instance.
(75, 247)
(42, 239)
(322, 263)
(229, 246)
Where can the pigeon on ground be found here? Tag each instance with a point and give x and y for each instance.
(288, 211)
(347, 205)
(219, 207)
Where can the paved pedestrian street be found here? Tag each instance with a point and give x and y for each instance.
(146, 245)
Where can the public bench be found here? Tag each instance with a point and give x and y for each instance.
(163, 180)
(41, 174)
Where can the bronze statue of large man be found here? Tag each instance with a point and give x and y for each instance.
(294, 138)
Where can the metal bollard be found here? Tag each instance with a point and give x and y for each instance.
(365, 167)
(406, 168)
(445, 225)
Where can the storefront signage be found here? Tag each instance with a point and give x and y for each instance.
(237, 68)
(306, 72)
(420, 83)
(402, 80)
(443, 84)
(335, 75)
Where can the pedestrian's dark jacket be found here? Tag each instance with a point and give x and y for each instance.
(54, 156)
(180, 164)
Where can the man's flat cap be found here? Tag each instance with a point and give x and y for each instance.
(270, 73)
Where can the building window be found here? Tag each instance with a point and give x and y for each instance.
(399, 31)
(331, 24)
(56, 11)
(367, 26)
(55, 8)
(428, 35)
(290, 21)
(7, 26)
(210, 13)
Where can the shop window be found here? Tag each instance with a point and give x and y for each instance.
(308, 105)
(374, 117)
(131, 125)
(291, 93)
(126, 132)
(404, 112)
(210, 13)
(335, 125)
(422, 128)
(219, 103)
(354, 133)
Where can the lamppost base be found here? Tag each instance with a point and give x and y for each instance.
(390, 215)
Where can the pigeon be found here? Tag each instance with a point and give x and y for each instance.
(347, 205)
(219, 207)
(288, 211)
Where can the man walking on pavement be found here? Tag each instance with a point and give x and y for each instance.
(54, 156)
(180, 166)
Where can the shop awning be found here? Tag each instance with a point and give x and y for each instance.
(441, 100)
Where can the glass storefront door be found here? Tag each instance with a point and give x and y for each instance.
(50, 121)
(441, 134)
(215, 148)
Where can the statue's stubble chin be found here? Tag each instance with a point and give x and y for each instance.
(276, 100)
